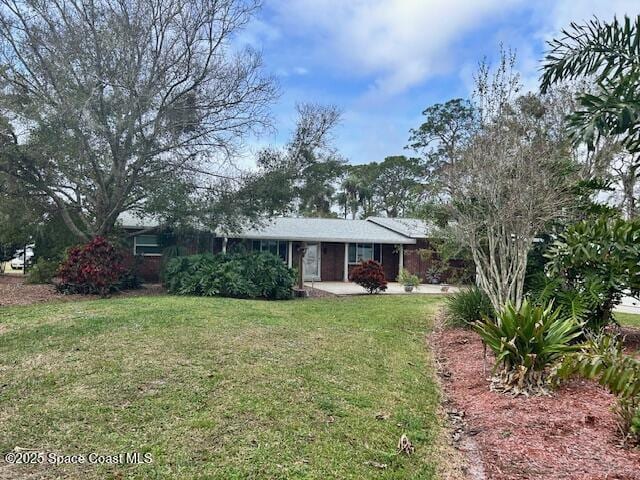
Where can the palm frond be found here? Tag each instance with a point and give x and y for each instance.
(593, 48)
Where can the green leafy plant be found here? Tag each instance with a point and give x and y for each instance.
(370, 276)
(129, 280)
(526, 342)
(601, 358)
(570, 302)
(407, 278)
(596, 261)
(239, 275)
(468, 306)
(42, 271)
(169, 253)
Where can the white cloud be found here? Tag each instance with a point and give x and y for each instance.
(375, 58)
(562, 12)
(400, 43)
(256, 33)
(287, 72)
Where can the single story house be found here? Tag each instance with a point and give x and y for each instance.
(332, 247)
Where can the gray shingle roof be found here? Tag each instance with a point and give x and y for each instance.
(373, 229)
(409, 227)
(324, 230)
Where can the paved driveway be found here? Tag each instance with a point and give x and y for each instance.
(347, 288)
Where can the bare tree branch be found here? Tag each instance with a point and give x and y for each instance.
(119, 96)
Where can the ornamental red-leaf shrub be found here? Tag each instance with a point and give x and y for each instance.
(96, 267)
(370, 276)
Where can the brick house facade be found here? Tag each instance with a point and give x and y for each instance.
(333, 247)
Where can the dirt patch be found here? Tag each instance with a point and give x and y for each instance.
(14, 291)
(571, 435)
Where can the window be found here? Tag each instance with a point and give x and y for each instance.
(147, 245)
(277, 247)
(360, 252)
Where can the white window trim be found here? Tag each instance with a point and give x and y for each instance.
(136, 245)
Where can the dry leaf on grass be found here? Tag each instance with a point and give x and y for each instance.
(405, 446)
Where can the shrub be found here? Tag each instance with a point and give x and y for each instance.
(169, 253)
(52, 238)
(129, 280)
(468, 306)
(239, 275)
(130, 277)
(370, 276)
(42, 271)
(602, 358)
(571, 303)
(407, 278)
(96, 267)
(526, 342)
(598, 260)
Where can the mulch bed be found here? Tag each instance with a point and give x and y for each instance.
(315, 293)
(14, 291)
(571, 435)
(631, 340)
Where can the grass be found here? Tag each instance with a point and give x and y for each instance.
(222, 388)
(628, 319)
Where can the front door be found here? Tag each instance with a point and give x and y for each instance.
(311, 263)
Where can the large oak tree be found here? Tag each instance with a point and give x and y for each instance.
(107, 102)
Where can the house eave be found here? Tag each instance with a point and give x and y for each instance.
(386, 241)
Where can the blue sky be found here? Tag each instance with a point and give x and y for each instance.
(383, 61)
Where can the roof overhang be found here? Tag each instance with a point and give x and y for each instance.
(328, 239)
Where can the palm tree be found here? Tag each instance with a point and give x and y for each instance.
(608, 53)
(351, 187)
(343, 202)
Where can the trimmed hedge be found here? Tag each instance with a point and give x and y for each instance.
(238, 275)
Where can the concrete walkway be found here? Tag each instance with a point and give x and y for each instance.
(393, 288)
(628, 305)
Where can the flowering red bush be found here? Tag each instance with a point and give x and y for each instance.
(369, 275)
(92, 268)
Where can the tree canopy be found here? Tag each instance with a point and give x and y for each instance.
(106, 103)
(303, 174)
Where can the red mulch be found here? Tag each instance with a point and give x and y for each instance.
(631, 340)
(571, 435)
(14, 291)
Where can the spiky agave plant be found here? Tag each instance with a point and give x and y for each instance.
(526, 342)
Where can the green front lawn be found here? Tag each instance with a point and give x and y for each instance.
(628, 319)
(221, 388)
